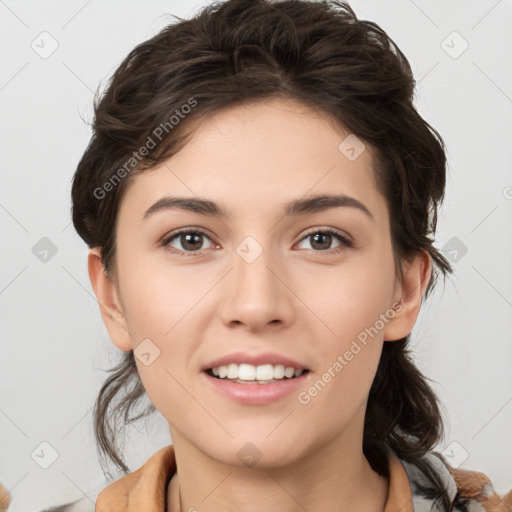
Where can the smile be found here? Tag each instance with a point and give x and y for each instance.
(255, 391)
(248, 373)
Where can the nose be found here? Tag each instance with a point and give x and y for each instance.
(256, 294)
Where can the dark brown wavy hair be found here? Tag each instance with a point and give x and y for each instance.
(240, 51)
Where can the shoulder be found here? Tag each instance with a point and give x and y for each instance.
(467, 490)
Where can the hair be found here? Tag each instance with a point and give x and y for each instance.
(320, 54)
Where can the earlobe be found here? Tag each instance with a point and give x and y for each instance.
(416, 276)
(108, 300)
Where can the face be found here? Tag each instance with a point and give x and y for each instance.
(313, 286)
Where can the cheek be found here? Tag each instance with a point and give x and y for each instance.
(350, 357)
(354, 309)
(158, 300)
(353, 302)
(163, 310)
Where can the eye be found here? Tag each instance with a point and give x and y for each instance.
(321, 239)
(190, 240)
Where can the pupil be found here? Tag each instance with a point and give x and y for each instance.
(187, 238)
(324, 236)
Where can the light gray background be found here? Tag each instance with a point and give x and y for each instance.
(54, 344)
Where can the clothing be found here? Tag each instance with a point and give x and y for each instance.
(145, 490)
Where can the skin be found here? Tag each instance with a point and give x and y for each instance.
(295, 299)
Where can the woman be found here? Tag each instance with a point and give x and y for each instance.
(260, 202)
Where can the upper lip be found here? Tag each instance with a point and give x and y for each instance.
(254, 359)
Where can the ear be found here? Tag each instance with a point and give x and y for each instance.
(416, 275)
(108, 299)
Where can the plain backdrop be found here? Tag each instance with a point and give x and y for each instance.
(54, 347)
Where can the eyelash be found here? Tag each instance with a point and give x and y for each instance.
(344, 241)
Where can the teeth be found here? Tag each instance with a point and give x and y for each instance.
(232, 371)
(264, 372)
(249, 372)
(289, 372)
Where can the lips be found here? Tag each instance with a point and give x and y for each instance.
(253, 393)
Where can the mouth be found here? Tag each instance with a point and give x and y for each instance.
(255, 389)
(279, 375)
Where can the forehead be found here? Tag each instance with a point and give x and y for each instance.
(251, 156)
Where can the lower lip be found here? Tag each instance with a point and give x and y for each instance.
(256, 394)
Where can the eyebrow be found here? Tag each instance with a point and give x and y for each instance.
(208, 208)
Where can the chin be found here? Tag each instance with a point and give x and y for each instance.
(255, 449)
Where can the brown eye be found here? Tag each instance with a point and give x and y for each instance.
(186, 241)
(321, 240)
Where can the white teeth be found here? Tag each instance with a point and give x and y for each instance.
(245, 372)
(264, 372)
(289, 372)
(278, 371)
(249, 372)
(232, 371)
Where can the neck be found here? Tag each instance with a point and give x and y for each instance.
(333, 476)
